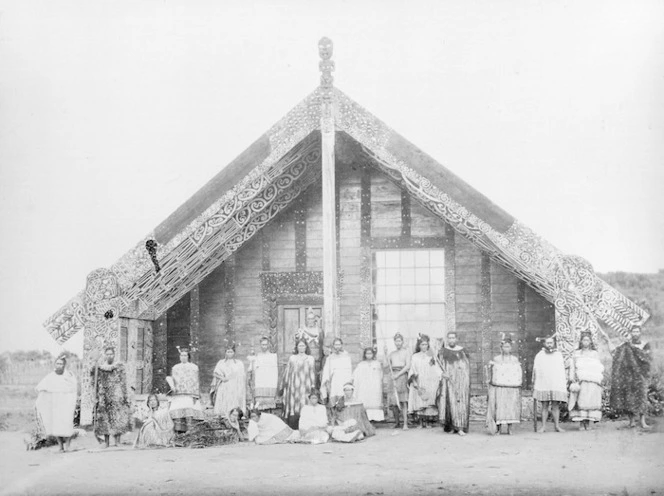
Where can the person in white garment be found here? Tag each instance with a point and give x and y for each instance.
(337, 371)
(550, 382)
(264, 377)
(56, 402)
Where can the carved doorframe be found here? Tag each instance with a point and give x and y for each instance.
(284, 288)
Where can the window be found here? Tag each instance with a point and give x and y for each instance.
(408, 295)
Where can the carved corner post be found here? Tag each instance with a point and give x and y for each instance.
(330, 273)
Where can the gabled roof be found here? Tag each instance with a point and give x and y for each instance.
(246, 194)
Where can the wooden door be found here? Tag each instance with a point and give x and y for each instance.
(290, 319)
(135, 350)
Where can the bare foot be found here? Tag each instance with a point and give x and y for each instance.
(541, 429)
(559, 429)
(645, 426)
(405, 427)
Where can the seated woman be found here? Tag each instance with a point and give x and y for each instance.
(314, 428)
(265, 428)
(157, 428)
(350, 419)
(233, 422)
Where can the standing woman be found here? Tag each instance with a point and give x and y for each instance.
(299, 378)
(586, 374)
(424, 377)
(368, 382)
(184, 383)
(228, 389)
(505, 379)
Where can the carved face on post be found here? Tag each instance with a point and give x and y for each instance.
(325, 48)
(311, 319)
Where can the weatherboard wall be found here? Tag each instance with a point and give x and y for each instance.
(373, 213)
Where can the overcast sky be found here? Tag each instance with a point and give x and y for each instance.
(112, 114)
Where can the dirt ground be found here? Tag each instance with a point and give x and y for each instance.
(606, 461)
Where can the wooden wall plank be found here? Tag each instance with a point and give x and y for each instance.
(178, 319)
(160, 353)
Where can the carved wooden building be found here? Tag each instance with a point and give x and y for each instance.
(332, 209)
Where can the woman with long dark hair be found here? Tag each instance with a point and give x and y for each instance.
(229, 388)
(586, 374)
(368, 382)
(424, 378)
(298, 379)
(157, 427)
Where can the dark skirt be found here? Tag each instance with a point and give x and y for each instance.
(401, 386)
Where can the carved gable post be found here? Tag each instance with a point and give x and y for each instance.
(577, 291)
(103, 303)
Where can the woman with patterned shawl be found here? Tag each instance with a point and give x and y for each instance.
(454, 404)
(629, 378)
(265, 428)
(298, 380)
(424, 378)
(349, 418)
(368, 382)
(228, 389)
(157, 426)
(56, 403)
(111, 415)
(504, 400)
(586, 373)
(184, 383)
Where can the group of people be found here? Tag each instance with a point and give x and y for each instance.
(340, 403)
(580, 384)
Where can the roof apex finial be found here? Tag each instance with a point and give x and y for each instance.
(326, 64)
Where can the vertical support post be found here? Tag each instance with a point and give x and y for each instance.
(485, 313)
(194, 321)
(159, 353)
(330, 272)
